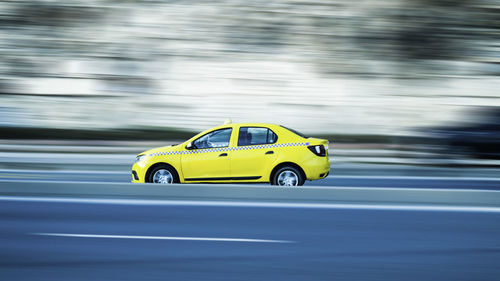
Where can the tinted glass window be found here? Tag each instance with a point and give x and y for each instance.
(256, 135)
(296, 132)
(218, 138)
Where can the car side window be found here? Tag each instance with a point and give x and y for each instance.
(256, 135)
(217, 138)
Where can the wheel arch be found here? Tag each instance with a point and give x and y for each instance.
(152, 167)
(285, 164)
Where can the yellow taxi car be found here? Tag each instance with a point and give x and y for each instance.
(245, 152)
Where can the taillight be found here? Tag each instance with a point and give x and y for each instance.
(317, 149)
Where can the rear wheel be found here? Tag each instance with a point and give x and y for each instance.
(163, 174)
(288, 176)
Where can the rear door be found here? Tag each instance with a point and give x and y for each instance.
(253, 155)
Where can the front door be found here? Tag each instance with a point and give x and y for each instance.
(209, 159)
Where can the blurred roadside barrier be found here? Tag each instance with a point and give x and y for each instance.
(112, 160)
(121, 153)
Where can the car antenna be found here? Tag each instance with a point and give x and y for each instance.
(228, 121)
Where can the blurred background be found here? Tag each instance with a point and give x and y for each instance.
(406, 91)
(388, 82)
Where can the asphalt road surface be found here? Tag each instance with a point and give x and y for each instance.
(347, 180)
(88, 241)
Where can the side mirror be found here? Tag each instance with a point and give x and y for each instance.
(190, 146)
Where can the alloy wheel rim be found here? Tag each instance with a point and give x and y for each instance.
(163, 176)
(288, 178)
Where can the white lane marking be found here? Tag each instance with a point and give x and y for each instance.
(17, 171)
(457, 178)
(388, 207)
(339, 187)
(45, 181)
(163, 238)
(329, 177)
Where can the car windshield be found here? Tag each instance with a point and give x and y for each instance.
(295, 132)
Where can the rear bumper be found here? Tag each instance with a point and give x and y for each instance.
(318, 168)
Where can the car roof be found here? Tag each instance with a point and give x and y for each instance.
(248, 124)
(253, 124)
(245, 125)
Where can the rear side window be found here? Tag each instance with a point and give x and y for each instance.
(296, 132)
(256, 135)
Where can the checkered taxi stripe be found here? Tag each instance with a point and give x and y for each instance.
(222, 149)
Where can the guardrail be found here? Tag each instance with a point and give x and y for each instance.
(57, 156)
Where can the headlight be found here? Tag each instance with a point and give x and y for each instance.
(139, 158)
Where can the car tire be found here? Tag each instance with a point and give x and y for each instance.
(288, 176)
(163, 174)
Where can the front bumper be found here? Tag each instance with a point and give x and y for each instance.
(138, 173)
(135, 177)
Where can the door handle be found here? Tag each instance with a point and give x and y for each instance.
(270, 152)
(222, 154)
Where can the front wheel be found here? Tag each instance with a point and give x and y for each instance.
(288, 176)
(163, 174)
